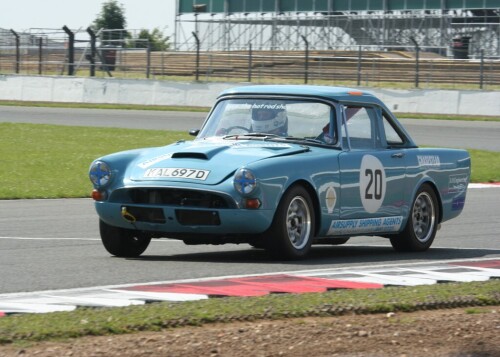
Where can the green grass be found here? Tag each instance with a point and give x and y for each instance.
(50, 161)
(153, 317)
(47, 161)
(485, 166)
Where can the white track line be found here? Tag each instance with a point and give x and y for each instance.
(47, 238)
(89, 239)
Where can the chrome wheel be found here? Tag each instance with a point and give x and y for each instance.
(421, 225)
(424, 217)
(298, 222)
(292, 231)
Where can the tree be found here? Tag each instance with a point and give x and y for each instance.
(156, 39)
(112, 17)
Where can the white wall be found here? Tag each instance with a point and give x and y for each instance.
(153, 92)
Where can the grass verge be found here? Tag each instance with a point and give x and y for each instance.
(51, 161)
(485, 166)
(156, 316)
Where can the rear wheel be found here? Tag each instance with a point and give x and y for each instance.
(123, 242)
(421, 227)
(292, 231)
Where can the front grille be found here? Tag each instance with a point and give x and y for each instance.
(177, 197)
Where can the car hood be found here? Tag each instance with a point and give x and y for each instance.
(204, 162)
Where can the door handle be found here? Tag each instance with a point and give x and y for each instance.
(398, 155)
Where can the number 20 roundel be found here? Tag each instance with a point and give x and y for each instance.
(372, 183)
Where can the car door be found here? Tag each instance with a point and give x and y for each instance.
(372, 174)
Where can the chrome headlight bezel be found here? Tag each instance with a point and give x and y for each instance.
(100, 174)
(245, 181)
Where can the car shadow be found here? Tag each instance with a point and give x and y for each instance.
(321, 255)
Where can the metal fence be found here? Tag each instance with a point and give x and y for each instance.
(84, 53)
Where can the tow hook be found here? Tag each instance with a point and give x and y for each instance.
(129, 217)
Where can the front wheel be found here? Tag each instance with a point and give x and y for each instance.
(422, 223)
(292, 231)
(123, 242)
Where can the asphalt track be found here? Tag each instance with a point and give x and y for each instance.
(54, 244)
(443, 133)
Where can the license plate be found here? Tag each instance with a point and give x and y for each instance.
(173, 172)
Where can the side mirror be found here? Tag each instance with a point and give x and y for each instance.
(194, 132)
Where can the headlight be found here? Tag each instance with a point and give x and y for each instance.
(100, 174)
(244, 181)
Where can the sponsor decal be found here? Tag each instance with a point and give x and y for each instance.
(458, 203)
(155, 160)
(365, 225)
(248, 106)
(331, 199)
(428, 160)
(175, 172)
(458, 183)
(372, 183)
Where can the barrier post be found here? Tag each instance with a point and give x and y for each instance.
(148, 60)
(417, 50)
(359, 66)
(306, 64)
(40, 57)
(250, 62)
(93, 51)
(481, 70)
(197, 55)
(18, 53)
(71, 50)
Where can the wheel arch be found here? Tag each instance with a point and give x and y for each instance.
(434, 188)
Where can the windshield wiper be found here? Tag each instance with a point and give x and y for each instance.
(310, 140)
(274, 137)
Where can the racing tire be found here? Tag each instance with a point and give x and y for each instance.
(120, 242)
(422, 224)
(292, 231)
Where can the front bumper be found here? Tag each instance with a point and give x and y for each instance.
(189, 221)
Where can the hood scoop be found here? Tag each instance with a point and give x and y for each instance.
(199, 152)
(190, 155)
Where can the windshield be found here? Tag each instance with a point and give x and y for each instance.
(271, 118)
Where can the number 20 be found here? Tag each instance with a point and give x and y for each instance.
(374, 187)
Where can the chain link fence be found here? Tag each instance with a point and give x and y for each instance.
(119, 54)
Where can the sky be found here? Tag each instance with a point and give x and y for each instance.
(21, 15)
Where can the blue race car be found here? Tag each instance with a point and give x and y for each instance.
(282, 168)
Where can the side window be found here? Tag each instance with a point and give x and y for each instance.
(361, 127)
(392, 136)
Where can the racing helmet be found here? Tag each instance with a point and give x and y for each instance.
(269, 118)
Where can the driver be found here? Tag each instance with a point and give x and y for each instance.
(269, 118)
